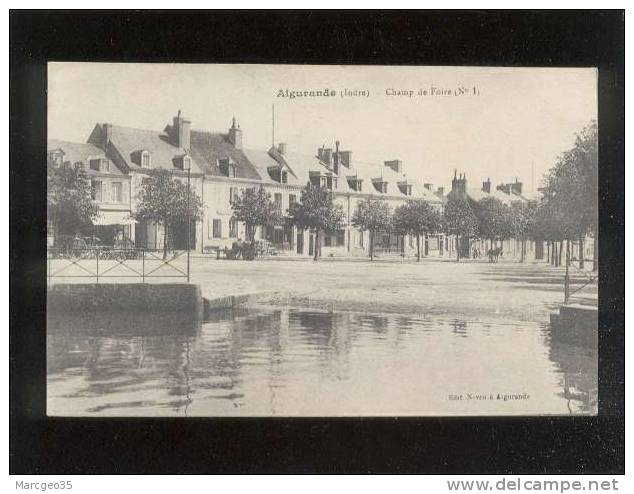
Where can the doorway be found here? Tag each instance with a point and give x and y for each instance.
(300, 242)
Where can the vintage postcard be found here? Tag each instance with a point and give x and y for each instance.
(285, 240)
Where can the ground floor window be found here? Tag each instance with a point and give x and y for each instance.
(328, 241)
(217, 229)
(96, 188)
(233, 228)
(341, 240)
(275, 234)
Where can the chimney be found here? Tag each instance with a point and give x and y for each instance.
(516, 187)
(281, 148)
(326, 156)
(346, 158)
(107, 135)
(506, 188)
(320, 152)
(486, 186)
(396, 165)
(182, 131)
(335, 159)
(428, 186)
(459, 185)
(235, 134)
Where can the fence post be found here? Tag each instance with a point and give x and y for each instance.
(567, 277)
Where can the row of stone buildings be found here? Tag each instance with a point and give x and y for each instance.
(117, 158)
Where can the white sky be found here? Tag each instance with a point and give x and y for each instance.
(521, 116)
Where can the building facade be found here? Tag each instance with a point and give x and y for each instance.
(117, 159)
(219, 168)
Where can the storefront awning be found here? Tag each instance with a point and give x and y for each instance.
(113, 218)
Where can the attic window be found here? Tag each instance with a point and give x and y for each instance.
(146, 161)
(321, 180)
(405, 188)
(56, 158)
(227, 167)
(355, 183)
(284, 177)
(380, 186)
(100, 165)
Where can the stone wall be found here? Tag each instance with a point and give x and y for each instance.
(90, 297)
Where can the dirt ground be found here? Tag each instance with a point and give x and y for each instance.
(474, 290)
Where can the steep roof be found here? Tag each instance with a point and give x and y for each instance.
(208, 147)
(130, 141)
(75, 152)
(368, 172)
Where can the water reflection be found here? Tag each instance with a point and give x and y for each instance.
(579, 370)
(284, 361)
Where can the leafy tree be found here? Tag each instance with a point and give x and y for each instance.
(417, 217)
(523, 216)
(372, 215)
(494, 219)
(69, 198)
(571, 188)
(163, 200)
(317, 212)
(254, 208)
(459, 219)
(550, 226)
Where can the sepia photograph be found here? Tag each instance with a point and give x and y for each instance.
(321, 240)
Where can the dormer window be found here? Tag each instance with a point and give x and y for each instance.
(227, 167)
(56, 158)
(323, 180)
(355, 183)
(278, 174)
(183, 162)
(405, 188)
(100, 165)
(380, 186)
(146, 159)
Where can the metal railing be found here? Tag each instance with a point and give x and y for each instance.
(590, 279)
(97, 263)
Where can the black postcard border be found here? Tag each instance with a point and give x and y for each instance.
(41, 445)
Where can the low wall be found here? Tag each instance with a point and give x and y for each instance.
(576, 324)
(229, 302)
(76, 297)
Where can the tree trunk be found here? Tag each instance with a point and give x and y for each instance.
(561, 251)
(371, 245)
(582, 251)
(548, 251)
(316, 246)
(553, 256)
(567, 276)
(165, 232)
(595, 253)
(457, 248)
(522, 245)
(418, 247)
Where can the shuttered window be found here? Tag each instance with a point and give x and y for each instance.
(217, 228)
